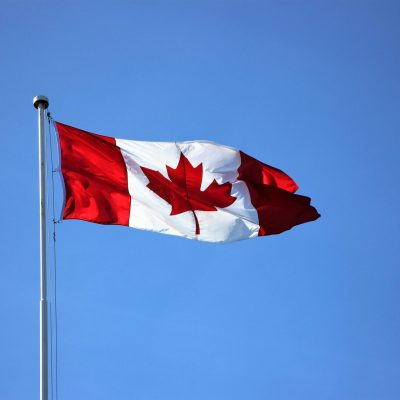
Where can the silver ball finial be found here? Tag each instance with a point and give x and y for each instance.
(40, 100)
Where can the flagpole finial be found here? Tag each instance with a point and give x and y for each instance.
(40, 100)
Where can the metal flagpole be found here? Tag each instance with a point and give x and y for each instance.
(41, 103)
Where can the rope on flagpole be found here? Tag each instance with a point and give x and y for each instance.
(51, 380)
(55, 222)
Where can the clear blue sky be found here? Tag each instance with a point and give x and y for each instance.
(311, 87)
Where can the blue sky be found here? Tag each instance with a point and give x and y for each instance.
(311, 87)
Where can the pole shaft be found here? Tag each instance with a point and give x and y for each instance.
(43, 282)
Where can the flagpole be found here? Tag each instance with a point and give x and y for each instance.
(41, 103)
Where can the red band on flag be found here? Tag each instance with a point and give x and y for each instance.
(272, 195)
(95, 177)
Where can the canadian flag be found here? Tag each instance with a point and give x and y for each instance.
(198, 190)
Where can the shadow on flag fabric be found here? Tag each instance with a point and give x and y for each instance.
(197, 190)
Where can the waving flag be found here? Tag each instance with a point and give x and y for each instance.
(198, 190)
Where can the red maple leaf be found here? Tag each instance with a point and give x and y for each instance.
(183, 192)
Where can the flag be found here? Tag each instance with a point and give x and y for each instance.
(196, 189)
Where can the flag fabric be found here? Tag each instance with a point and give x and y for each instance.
(196, 189)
